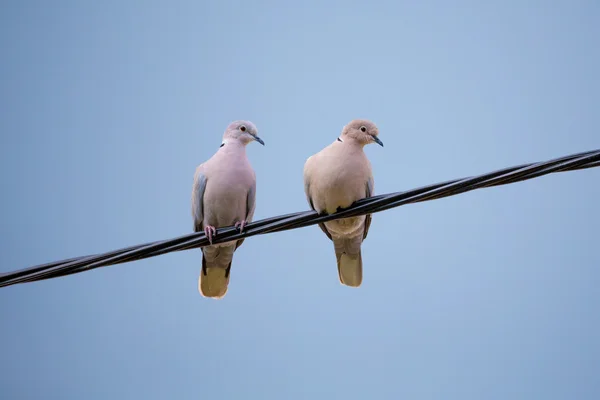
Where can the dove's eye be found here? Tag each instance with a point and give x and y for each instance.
(243, 128)
(363, 129)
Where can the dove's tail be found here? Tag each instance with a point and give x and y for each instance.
(349, 261)
(214, 279)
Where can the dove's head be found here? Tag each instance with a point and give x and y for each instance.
(243, 132)
(361, 131)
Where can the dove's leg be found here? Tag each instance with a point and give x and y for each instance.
(241, 225)
(210, 231)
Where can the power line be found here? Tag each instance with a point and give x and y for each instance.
(589, 159)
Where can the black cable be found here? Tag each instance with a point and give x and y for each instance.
(589, 159)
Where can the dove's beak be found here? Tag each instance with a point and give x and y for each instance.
(259, 140)
(377, 140)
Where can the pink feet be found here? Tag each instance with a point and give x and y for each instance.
(241, 225)
(210, 231)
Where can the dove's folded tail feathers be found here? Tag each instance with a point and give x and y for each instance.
(213, 281)
(350, 270)
(349, 266)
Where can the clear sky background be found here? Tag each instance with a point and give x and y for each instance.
(107, 107)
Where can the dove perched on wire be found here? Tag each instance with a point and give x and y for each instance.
(335, 178)
(223, 194)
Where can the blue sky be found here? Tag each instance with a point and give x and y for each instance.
(107, 108)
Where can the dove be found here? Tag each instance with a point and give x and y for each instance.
(224, 194)
(334, 179)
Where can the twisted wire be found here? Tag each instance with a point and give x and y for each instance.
(375, 204)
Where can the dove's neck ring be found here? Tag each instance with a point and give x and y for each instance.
(229, 145)
(347, 140)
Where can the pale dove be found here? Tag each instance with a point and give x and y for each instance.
(336, 177)
(224, 194)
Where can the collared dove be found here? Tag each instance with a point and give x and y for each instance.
(224, 194)
(335, 178)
